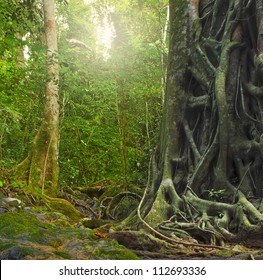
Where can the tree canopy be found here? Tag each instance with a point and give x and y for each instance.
(109, 106)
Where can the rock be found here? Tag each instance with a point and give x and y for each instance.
(10, 202)
(93, 223)
(136, 240)
(2, 210)
(23, 236)
(244, 256)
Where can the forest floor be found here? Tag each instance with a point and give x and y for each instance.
(37, 232)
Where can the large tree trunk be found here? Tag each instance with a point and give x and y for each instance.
(207, 168)
(40, 168)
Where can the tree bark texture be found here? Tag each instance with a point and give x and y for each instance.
(41, 168)
(207, 168)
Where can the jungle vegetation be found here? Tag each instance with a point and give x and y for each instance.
(136, 115)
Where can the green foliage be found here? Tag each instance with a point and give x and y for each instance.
(108, 103)
(216, 194)
(109, 107)
(20, 82)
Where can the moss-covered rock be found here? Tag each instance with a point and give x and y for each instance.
(24, 236)
(23, 226)
(108, 249)
(93, 223)
(63, 206)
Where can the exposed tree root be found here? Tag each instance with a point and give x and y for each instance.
(207, 167)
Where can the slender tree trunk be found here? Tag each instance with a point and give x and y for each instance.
(163, 53)
(40, 168)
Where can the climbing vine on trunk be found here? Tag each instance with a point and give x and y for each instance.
(207, 167)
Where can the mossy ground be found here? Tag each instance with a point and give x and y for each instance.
(24, 236)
